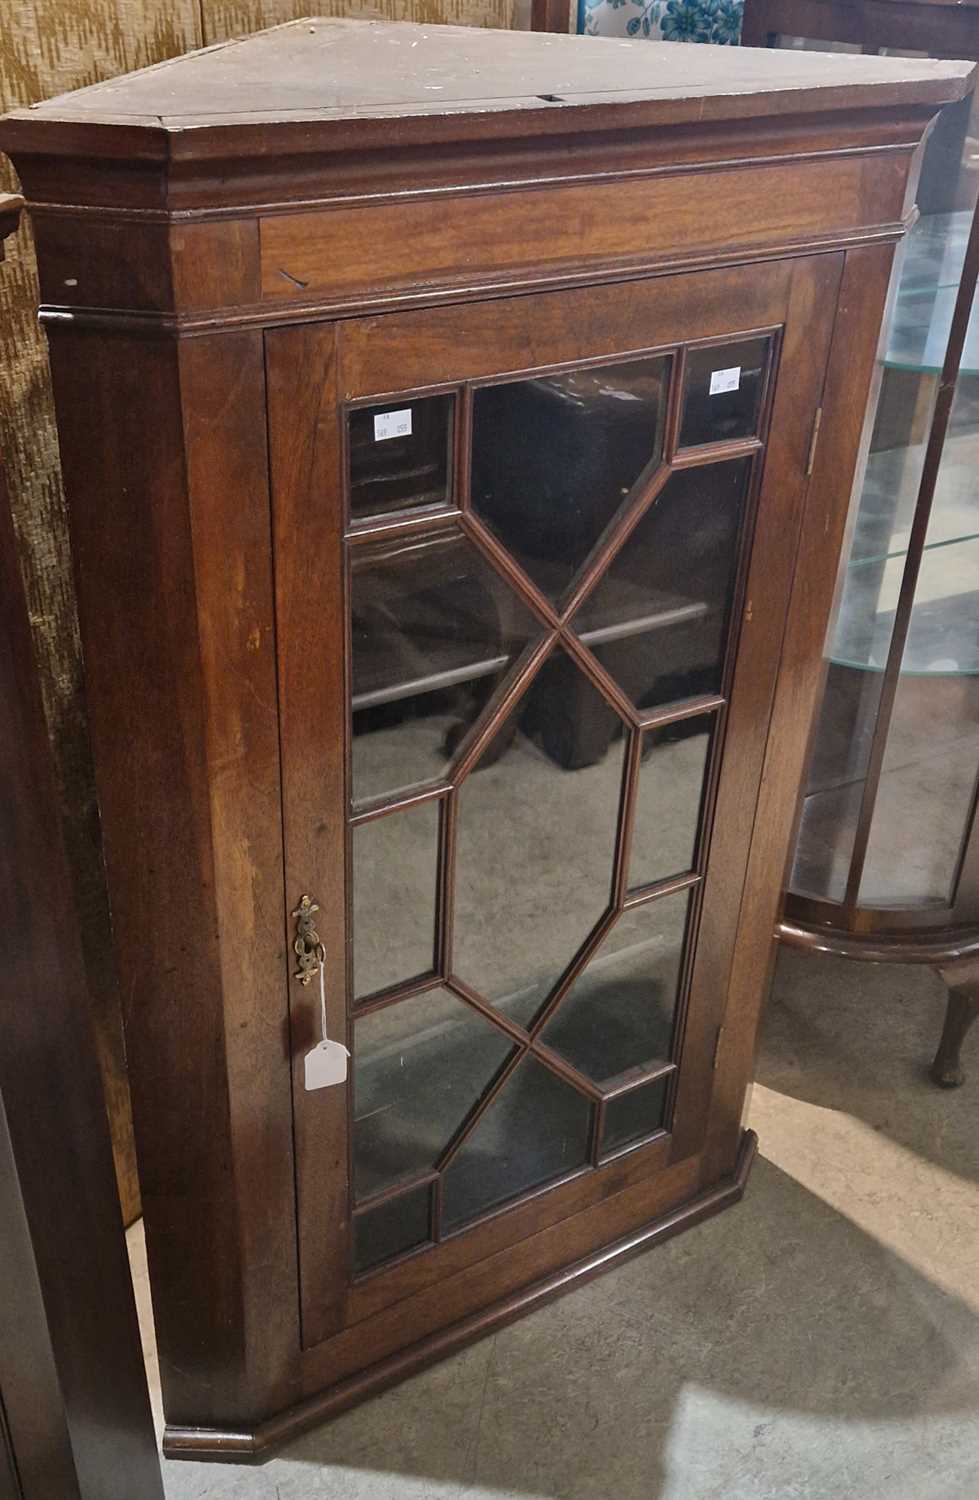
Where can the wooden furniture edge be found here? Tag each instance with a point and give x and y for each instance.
(259, 1441)
(879, 948)
(11, 205)
(75, 1414)
(203, 138)
(152, 325)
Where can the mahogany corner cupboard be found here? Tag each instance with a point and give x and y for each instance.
(458, 429)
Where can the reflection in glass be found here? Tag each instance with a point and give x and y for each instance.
(393, 1227)
(658, 618)
(722, 392)
(536, 1130)
(668, 800)
(629, 1117)
(553, 459)
(617, 1018)
(535, 837)
(400, 455)
(419, 1067)
(434, 630)
(394, 865)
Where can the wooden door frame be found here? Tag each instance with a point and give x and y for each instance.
(312, 371)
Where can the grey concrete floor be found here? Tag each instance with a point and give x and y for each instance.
(819, 1340)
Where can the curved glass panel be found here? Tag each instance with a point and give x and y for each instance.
(916, 816)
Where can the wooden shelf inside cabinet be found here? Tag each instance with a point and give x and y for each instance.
(466, 658)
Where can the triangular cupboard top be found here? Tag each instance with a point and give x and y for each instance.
(337, 71)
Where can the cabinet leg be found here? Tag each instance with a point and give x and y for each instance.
(963, 1009)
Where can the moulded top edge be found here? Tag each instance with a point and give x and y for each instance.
(305, 85)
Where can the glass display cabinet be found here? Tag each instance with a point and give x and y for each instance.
(887, 858)
(458, 428)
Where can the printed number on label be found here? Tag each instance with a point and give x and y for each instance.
(725, 380)
(392, 424)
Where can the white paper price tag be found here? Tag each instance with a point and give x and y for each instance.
(725, 380)
(325, 1064)
(392, 424)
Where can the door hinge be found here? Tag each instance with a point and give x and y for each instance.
(814, 440)
(717, 1047)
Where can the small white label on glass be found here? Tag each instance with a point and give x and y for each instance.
(725, 380)
(391, 424)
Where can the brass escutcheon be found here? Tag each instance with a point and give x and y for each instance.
(307, 946)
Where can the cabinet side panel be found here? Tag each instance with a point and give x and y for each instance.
(307, 490)
(856, 333)
(122, 441)
(805, 349)
(222, 384)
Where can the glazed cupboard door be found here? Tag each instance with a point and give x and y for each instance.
(533, 557)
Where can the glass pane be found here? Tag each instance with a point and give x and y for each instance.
(419, 1067)
(631, 1116)
(671, 785)
(535, 837)
(435, 629)
(617, 1018)
(924, 800)
(658, 618)
(397, 1225)
(722, 392)
(400, 455)
(824, 846)
(394, 869)
(536, 1130)
(554, 458)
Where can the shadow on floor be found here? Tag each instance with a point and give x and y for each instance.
(775, 1351)
(860, 1038)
